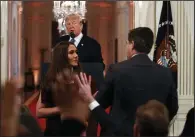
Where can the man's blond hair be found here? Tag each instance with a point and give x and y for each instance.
(75, 16)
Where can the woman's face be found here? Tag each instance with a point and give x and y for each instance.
(72, 55)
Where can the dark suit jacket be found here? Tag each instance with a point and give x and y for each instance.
(132, 83)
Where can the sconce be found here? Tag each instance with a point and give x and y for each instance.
(36, 77)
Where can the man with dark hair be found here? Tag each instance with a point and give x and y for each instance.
(141, 45)
(151, 120)
(133, 82)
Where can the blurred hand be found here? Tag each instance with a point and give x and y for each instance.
(84, 87)
(10, 104)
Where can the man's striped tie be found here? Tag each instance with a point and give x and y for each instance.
(72, 40)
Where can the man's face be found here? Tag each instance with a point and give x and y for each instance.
(73, 24)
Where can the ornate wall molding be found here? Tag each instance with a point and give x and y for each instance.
(122, 27)
(4, 39)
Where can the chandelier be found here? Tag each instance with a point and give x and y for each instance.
(63, 8)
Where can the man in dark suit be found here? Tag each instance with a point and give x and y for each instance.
(133, 82)
(89, 50)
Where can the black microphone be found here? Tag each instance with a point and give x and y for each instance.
(72, 35)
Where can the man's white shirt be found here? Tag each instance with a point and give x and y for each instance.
(93, 105)
(77, 39)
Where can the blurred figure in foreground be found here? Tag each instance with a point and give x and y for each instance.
(16, 120)
(10, 106)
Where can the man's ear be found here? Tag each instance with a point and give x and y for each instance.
(81, 26)
(136, 130)
(133, 45)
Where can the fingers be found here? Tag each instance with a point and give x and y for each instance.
(77, 79)
(89, 81)
(85, 79)
(82, 78)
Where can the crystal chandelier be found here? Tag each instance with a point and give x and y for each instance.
(63, 8)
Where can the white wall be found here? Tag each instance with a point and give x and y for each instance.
(4, 21)
(10, 39)
(13, 39)
(145, 16)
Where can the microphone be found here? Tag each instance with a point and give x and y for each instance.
(72, 35)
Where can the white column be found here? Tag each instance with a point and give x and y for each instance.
(20, 39)
(37, 32)
(4, 46)
(13, 57)
(183, 21)
(122, 28)
(104, 36)
(145, 16)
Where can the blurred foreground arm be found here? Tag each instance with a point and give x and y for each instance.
(10, 105)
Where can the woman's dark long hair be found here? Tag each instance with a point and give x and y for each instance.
(59, 62)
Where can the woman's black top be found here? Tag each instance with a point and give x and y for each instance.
(53, 123)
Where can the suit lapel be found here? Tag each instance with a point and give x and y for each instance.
(81, 43)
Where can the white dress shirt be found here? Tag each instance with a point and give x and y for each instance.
(77, 39)
(93, 105)
(134, 55)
